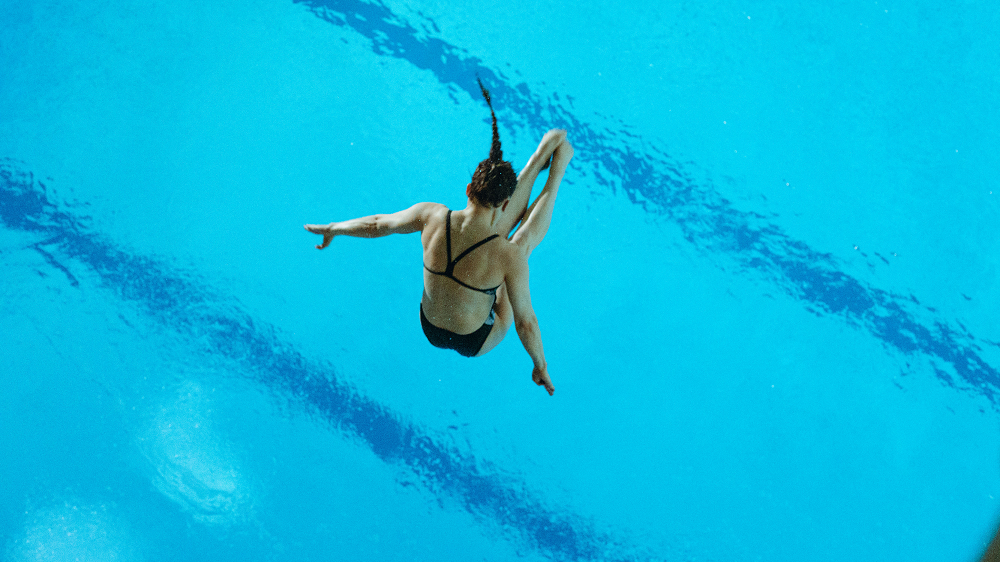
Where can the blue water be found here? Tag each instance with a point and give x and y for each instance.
(768, 298)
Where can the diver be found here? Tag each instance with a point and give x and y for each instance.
(475, 273)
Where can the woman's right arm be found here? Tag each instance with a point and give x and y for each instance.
(525, 321)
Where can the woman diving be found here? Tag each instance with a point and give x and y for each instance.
(475, 277)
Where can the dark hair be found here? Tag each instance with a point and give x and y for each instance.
(494, 179)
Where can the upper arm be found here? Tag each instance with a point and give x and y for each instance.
(516, 279)
(408, 220)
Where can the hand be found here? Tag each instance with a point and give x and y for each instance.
(541, 378)
(325, 229)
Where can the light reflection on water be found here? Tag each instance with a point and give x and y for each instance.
(194, 466)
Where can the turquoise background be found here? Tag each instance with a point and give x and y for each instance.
(768, 297)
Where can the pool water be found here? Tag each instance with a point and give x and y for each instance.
(768, 296)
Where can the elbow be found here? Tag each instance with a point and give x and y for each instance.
(526, 326)
(378, 228)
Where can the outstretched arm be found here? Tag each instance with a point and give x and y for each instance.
(376, 226)
(525, 321)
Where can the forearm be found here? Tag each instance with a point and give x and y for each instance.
(364, 227)
(531, 338)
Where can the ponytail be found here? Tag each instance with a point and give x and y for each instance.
(494, 179)
(496, 155)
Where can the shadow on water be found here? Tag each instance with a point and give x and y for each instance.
(180, 302)
(665, 187)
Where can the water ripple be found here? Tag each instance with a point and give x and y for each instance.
(177, 300)
(667, 188)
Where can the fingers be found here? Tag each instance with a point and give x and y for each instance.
(544, 380)
(320, 229)
(548, 386)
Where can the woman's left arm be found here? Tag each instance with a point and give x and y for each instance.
(376, 226)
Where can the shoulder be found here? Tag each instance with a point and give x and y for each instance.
(422, 214)
(512, 257)
(427, 210)
(430, 217)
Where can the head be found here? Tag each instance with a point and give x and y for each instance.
(494, 180)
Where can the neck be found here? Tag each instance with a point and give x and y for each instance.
(481, 213)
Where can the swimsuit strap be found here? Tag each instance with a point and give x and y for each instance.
(490, 291)
(447, 223)
(449, 271)
(474, 246)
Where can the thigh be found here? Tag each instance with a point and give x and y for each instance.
(504, 317)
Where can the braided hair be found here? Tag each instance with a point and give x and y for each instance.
(494, 180)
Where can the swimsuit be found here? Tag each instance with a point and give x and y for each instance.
(465, 344)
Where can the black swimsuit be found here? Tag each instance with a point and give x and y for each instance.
(466, 344)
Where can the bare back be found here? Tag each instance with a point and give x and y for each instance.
(447, 303)
(476, 282)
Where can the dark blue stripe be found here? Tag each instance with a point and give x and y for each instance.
(660, 184)
(178, 301)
